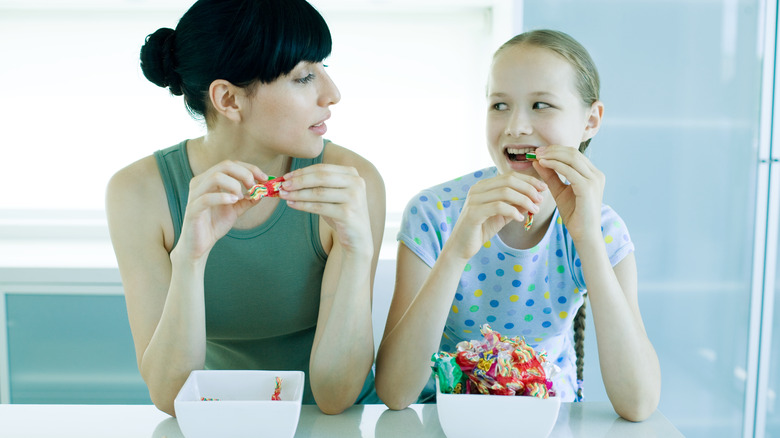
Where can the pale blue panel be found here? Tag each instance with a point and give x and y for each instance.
(74, 349)
(772, 403)
(681, 86)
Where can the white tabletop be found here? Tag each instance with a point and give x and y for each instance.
(589, 419)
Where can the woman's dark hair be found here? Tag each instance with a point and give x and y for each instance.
(244, 42)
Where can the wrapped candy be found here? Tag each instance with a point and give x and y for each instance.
(451, 378)
(277, 389)
(268, 189)
(496, 365)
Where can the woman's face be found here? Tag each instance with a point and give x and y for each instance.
(288, 115)
(532, 102)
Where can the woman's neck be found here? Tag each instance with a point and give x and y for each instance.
(216, 146)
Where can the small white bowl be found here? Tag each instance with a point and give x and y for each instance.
(473, 415)
(241, 404)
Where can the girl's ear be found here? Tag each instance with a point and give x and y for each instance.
(593, 123)
(225, 97)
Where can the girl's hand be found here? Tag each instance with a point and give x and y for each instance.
(490, 205)
(579, 203)
(216, 200)
(338, 194)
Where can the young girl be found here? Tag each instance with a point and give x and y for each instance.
(518, 245)
(216, 279)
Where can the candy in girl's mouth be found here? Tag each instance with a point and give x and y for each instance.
(530, 156)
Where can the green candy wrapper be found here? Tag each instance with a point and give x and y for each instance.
(451, 377)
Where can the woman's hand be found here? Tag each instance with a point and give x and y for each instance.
(490, 205)
(579, 203)
(216, 200)
(338, 194)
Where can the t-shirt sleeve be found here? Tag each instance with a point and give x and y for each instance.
(424, 227)
(616, 239)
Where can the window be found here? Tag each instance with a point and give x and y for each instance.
(411, 76)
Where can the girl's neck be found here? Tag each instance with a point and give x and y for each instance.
(514, 234)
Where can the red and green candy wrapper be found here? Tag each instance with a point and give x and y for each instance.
(496, 365)
(268, 189)
(277, 389)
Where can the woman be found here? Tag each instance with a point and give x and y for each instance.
(216, 279)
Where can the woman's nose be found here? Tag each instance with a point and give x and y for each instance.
(329, 93)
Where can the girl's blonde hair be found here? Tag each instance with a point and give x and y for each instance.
(587, 76)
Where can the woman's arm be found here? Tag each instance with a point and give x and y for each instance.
(164, 293)
(348, 194)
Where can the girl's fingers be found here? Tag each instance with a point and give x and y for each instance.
(322, 175)
(510, 197)
(326, 195)
(210, 200)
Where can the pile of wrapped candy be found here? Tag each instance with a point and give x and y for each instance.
(496, 365)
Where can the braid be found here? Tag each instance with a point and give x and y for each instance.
(579, 346)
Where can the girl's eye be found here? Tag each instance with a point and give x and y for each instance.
(499, 106)
(306, 79)
(541, 105)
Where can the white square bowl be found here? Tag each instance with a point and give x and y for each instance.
(241, 405)
(474, 415)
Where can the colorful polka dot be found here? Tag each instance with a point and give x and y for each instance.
(559, 253)
(562, 300)
(529, 317)
(443, 226)
(608, 239)
(509, 326)
(454, 309)
(474, 308)
(417, 241)
(517, 268)
(514, 298)
(494, 303)
(467, 268)
(459, 297)
(563, 315)
(468, 322)
(500, 272)
(491, 318)
(529, 303)
(561, 269)
(516, 283)
(413, 210)
(466, 331)
(478, 293)
(439, 205)
(576, 290)
(424, 227)
(487, 244)
(547, 295)
(424, 198)
(501, 256)
(546, 324)
(547, 310)
(531, 288)
(482, 277)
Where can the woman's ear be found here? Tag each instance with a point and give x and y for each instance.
(593, 123)
(226, 100)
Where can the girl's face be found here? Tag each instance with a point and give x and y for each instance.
(288, 115)
(532, 102)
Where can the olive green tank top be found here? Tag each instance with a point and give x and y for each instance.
(262, 285)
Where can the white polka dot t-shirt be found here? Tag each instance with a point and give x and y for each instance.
(533, 293)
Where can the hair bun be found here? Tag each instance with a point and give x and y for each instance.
(157, 60)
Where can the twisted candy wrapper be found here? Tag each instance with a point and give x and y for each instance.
(496, 365)
(268, 189)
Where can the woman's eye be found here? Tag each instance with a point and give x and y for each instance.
(541, 105)
(499, 106)
(306, 79)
